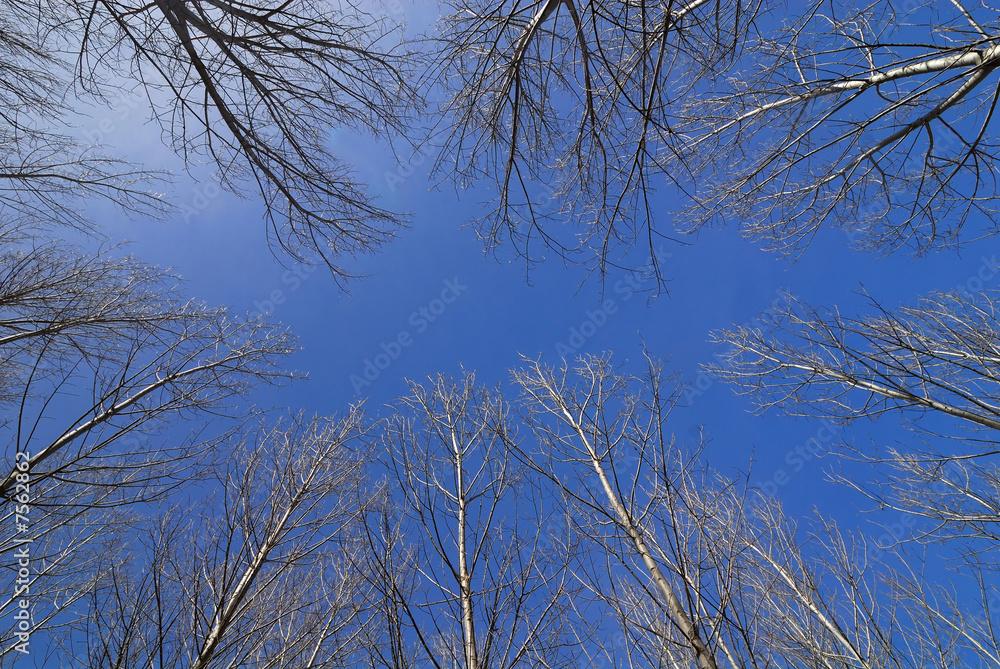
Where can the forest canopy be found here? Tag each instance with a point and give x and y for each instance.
(167, 506)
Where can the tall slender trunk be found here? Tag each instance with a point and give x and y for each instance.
(704, 656)
(465, 580)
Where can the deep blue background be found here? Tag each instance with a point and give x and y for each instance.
(714, 281)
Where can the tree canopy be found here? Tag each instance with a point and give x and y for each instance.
(159, 511)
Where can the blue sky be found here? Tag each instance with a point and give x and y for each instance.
(480, 313)
(494, 316)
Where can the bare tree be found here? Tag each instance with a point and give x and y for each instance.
(121, 332)
(255, 574)
(695, 568)
(257, 91)
(459, 558)
(45, 173)
(876, 118)
(596, 427)
(934, 364)
(101, 364)
(667, 561)
(937, 355)
(567, 110)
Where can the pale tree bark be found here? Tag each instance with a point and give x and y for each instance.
(933, 364)
(100, 357)
(122, 330)
(255, 576)
(874, 118)
(877, 119)
(721, 576)
(464, 571)
(577, 422)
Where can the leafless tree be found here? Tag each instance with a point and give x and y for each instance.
(935, 364)
(567, 110)
(119, 332)
(876, 118)
(99, 356)
(44, 172)
(937, 355)
(255, 90)
(255, 574)
(695, 568)
(606, 431)
(459, 559)
(667, 561)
